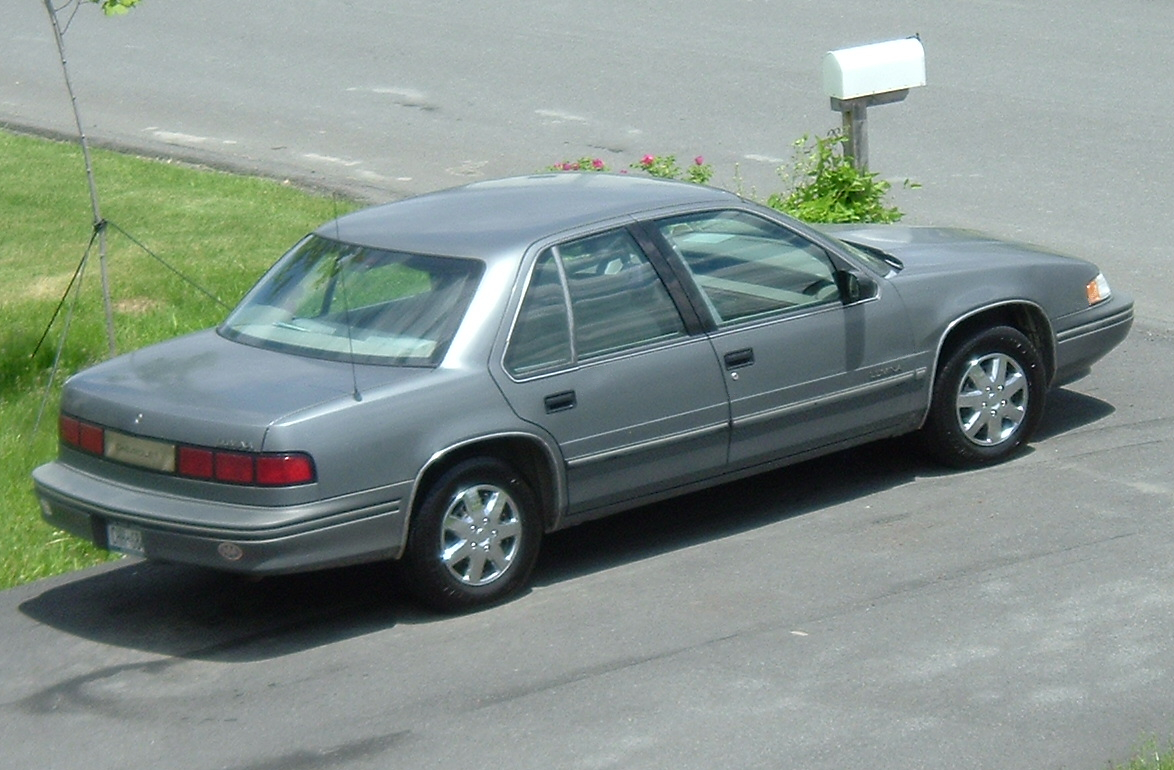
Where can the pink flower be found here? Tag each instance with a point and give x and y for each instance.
(699, 161)
(648, 160)
(597, 164)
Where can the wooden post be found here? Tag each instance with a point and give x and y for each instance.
(855, 122)
(856, 130)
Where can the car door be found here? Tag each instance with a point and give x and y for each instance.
(805, 367)
(600, 358)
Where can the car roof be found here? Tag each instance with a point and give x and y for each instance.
(501, 216)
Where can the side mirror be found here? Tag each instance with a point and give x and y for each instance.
(855, 288)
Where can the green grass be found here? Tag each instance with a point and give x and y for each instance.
(1149, 757)
(220, 230)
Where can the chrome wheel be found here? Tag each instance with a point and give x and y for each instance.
(992, 399)
(475, 537)
(480, 534)
(987, 399)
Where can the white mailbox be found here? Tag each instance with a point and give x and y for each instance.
(871, 70)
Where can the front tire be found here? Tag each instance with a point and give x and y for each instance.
(475, 539)
(987, 399)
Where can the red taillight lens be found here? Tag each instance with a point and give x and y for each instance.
(234, 467)
(284, 470)
(92, 438)
(69, 430)
(80, 435)
(194, 462)
(268, 470)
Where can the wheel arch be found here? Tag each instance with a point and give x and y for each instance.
(531, 457)
(1027, 317)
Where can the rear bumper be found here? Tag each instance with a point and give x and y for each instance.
(1091, 335)
(367, 526)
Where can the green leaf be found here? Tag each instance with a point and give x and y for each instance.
(116, 7)
(827, 186)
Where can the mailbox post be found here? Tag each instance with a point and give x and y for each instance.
(870, 75)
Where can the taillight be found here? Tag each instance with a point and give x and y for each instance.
(68, 429)
(266, 469)
(284, 470)
(81, 435)
(234, 467)
(194, 462)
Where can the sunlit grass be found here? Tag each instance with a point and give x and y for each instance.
(1150, 757)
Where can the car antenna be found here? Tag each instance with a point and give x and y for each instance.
(346, 305)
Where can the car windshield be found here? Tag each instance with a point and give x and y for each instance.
(344, 302)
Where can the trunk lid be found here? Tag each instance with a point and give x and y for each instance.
(206, 390)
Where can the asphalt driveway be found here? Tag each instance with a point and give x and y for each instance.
(866, 609)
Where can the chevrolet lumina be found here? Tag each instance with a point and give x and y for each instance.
(444, 379)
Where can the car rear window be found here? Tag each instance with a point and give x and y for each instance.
(341, 301)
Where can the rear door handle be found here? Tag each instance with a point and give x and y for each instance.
(737, 359)
(560, 402)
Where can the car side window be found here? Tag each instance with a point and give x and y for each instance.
(541, 338)
(617, 299)
(617, 302)
(747, 266)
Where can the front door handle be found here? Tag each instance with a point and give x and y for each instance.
(739, 358)
(560, 402)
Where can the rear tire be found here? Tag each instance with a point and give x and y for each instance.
(475, 539)
(987, 399)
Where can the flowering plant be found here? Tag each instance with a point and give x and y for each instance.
(582, 164)
(664, 166)
(825, 184)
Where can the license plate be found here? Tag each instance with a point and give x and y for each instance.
(126, 540)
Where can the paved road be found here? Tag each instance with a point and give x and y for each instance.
(863, 610)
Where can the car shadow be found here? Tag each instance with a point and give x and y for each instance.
(1068, 410)
(770, 497)
(196, 613)
(730, 509)
(188, 612)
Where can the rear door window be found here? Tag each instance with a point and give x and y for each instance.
(616, 302)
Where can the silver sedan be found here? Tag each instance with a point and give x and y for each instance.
(442, 380)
